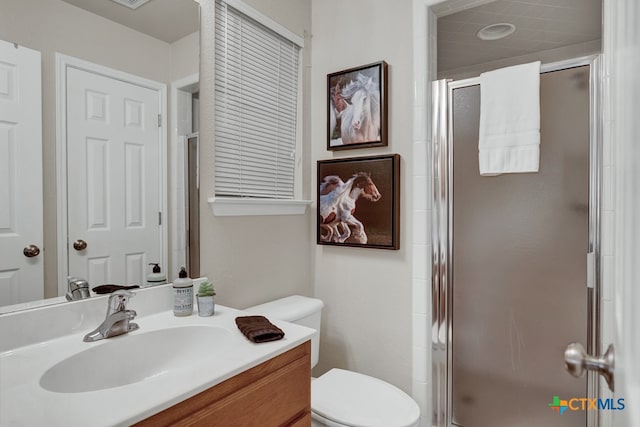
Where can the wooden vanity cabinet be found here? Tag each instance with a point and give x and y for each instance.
(274, 393)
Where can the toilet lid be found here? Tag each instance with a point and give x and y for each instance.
(357, 400)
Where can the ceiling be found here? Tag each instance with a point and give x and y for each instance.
(166, 20)
(540, 25)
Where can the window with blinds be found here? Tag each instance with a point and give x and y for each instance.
(256, 87)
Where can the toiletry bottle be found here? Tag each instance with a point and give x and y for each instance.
(183, 294)
(156, 277)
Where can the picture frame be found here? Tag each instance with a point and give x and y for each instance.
(358, 201)
(357, 107)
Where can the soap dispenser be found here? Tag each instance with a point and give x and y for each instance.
(183, 294)
(156, 277)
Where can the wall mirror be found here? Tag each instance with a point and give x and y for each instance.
(98, 127)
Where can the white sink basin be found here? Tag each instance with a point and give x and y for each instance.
(134, 357)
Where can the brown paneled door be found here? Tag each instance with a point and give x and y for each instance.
(519, 265)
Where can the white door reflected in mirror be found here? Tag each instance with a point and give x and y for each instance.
(115, 183)
(21, 265)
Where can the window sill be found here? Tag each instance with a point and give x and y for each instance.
(230, 206)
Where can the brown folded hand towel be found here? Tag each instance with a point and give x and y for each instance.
(258, 329)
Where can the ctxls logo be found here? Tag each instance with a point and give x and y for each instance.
(586, 404)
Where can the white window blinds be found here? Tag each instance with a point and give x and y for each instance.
(256, 81)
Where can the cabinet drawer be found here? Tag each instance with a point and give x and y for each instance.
(274, 393)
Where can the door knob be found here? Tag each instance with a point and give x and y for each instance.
(577, 361)
(31, 251)
(79, 245)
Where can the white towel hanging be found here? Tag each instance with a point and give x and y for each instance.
(510, 120)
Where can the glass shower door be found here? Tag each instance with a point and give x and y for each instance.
(519, 265)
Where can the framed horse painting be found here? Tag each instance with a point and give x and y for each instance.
(357, 107)
(359, 202)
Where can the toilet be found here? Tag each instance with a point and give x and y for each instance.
(341, 398)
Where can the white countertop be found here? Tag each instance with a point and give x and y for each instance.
(23, 402)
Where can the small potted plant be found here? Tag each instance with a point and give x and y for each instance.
(206, 305)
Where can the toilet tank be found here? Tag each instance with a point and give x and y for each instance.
(296, 309)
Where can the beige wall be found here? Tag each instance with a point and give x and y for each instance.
(51, 26)
(252, 259)
(367, 292)
(185, 56)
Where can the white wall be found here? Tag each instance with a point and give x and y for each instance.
(367, 292)
(608, 247)
(252, 259)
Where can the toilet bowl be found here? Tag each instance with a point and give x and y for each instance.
(341, 398)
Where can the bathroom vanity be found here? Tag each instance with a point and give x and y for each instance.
(172, 371)
(274, 393)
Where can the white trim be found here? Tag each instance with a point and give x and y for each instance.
(62, 63)
(178, 254)
(423, 43)
(622, 44)
(297, 171)
(231, 206)
(266, 21)
(186, 84)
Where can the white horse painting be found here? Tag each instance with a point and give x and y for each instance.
(355, 112)
(361, 117)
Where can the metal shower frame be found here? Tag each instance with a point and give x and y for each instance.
(442, 232)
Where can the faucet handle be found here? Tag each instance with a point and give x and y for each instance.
(77, 288)
(118, 300)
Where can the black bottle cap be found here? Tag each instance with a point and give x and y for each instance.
(183, 273)
(156, 267)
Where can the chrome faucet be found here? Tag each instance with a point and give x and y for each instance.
(77, 289)
(118, 318)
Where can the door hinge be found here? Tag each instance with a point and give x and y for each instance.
(159, 218)
(159, 120)
(591, 270)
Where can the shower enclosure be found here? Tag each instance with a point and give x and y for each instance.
(515, 259)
